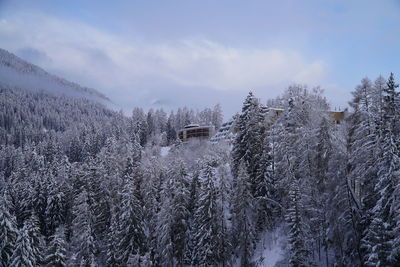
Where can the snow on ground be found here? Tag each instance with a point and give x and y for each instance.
(269, 249)
(164, 151)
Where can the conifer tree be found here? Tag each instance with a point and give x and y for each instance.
(8, 231)
(388, 164)
(248, 147)
(207, 227)
(56, 253)
(319, 187)
(83, 238)
(172, 222)
(373, 243)
(297, 236)
(112, 257)
(248, 144)
(266, 189)
(154, 175)
(98, 196)
(37, 243)
(243, 217)
(55, 208)
(23, 254)
(132, 237)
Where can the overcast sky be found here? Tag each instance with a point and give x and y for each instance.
(199, 53)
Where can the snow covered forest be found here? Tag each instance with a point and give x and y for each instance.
(83, 185)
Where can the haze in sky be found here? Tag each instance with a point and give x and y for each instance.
(198, 53)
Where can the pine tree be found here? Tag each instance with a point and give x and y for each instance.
(358, 188)
(83, 237)
(224, 181)
(32, 226)
(172, 224)
(23, 255)
(248, 148)
(207, 227)
(217, 117)
(385, 209)
(8, 231)
(56, 253)
(265, 193)
(248, 144)
(374, 243)
(297, 236)
(39, 197)
(132, 237)
(112, 258)
(243, 217)
(318, 198)
(55, 208)
(98, 196)
(343, 214)
(395, 254)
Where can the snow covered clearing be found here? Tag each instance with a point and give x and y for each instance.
(269, 250)
(164, 151)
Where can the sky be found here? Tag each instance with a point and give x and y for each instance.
(191, 53)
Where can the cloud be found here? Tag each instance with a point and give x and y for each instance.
(33, 55)
(129, 69)
(213, 65)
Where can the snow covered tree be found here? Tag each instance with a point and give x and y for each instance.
(56, 252)
(318, 188)
(55, 208)
(248, 147)
(112, 257)
(217, 116)
(153, 178)
(98, 195)
(37, 243)
(83, 238)
(8, 231)
(141, 127)
(265, 193)
(39, 197)
(299, 254)
(23, 254)
(207, 232)
(131, 232)
(248, 144)
(172, 225)
(388, 163)
(374, 244)
(357, 189)
(243, 217)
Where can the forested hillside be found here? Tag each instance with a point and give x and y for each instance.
(82, 185)
(16, 72)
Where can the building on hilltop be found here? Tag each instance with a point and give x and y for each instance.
(195, 131)
(337, 116)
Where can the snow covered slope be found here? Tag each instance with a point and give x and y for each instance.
(16, 72)
(270, 248)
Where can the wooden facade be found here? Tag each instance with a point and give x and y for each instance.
(195, 132)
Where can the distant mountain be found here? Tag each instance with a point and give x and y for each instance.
(16, 72)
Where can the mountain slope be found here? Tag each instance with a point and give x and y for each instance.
(16, 72)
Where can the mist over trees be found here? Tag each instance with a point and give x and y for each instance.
(82, 185)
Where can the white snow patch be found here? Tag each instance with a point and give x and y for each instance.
(269, 249)
(165, 150)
